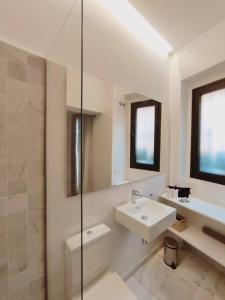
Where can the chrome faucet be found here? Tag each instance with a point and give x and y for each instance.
(135, 194)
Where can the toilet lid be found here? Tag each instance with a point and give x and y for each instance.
(109, 287)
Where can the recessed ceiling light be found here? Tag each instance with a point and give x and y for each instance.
(135, 23)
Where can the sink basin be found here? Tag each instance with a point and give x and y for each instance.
(147, 218)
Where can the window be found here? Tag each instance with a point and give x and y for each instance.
(145, 135)
(208, 132)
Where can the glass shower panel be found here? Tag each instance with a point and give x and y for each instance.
(64, 71)
(212, 132)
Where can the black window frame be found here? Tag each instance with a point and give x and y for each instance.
(157, 137)
(195, 132)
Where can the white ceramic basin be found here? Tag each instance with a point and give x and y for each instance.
(147, 218)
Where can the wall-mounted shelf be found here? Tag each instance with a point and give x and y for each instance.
(194, 236)
(207, 209)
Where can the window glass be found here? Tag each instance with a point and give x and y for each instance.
(145, 135)
(212, 133)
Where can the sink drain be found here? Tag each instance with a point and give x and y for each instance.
(144, 217)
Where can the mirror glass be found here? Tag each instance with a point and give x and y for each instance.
(124, 138)
(109, 129)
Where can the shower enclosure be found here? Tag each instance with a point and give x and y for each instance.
(64, 98)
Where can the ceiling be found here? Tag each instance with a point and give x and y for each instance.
(181, 21)
(35, 24)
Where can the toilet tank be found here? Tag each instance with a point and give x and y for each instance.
(96, 257)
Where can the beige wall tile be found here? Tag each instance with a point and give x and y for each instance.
(3, 172)
(22, 104)
(36, 62)
(17, 187)
(17, 107)
(36, 200)
(35, 169)
(18, 261)
(3, 75)
(17, 281)
(3, 254)
(3, 188)
(16, 63)
(17, 203)
(21, 294)
(35, 221)
(36, 92)
(3, 155)
(2, 102)
(3, 230)
(36, 70)
(36, 289)
(3, 130)
(36, 153)
(17, 129)
(3, 279)
(2, 50)
(3, 180)
(36, 184)
(3, 206)
(36, 76)
(36, 125)
(36, 178)
(17, 154)
(17, 227)
(4, 242)
(16, 69)
(36, 257)
(17, 171)
(16, 53)
(17, 88)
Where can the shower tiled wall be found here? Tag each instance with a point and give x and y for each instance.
(22, 174)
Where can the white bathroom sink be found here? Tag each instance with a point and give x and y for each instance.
(147, 218)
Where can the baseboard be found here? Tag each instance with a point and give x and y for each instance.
(142, 261)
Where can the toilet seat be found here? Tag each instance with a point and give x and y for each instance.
(108, 287)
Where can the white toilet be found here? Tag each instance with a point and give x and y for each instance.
(99, 282)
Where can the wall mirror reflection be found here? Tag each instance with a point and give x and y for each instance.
(121, 136)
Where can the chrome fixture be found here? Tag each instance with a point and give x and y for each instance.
(135, 194)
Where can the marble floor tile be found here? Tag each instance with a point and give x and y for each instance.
(194, 279)
(138, 289)
(220, 289)
(176, 288)
(199, 272)
(153, 274)
(200, 294)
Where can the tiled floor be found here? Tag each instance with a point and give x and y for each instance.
(194, 279)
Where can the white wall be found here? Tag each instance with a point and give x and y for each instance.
(200, 62)
(204, 52)
(119, 135)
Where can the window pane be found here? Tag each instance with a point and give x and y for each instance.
(145, 135)
(212, 133)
